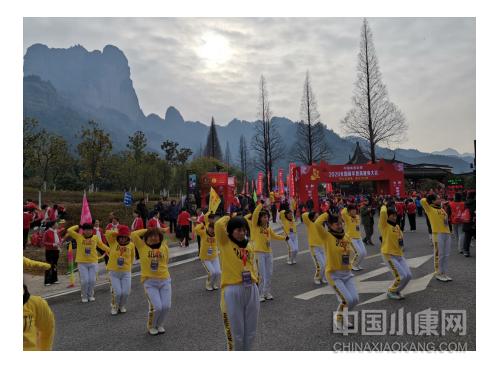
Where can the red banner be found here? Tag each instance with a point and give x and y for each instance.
(281, 186)
(291, 184)
(260, 179)
(329, 188)
(246, 187)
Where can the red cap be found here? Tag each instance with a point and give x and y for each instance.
(123, 230)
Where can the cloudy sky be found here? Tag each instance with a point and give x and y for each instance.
(211, 66)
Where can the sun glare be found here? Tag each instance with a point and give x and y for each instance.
(214, 49)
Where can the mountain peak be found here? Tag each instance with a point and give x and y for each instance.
(173, 116)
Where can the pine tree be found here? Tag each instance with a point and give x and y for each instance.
(212, 149)
(227, 155)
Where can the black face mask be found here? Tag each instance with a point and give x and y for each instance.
(26, 294)
(242, 244)
(155, 245)
(393, 223)
(337, 234)
(88, 237)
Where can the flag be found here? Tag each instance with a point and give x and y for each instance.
(260, 179)
(281, 185)
(255, 197)
(85, 217)
(214, 201)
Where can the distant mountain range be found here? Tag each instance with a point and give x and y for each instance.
(65, 88)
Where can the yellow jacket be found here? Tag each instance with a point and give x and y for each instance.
(262, 235)
(287, 225)
(437, 217)
(335, 248)
(154, 262)
(312, 234)
(86, 249)
(38, 325)
(121, 258)
(352, 224)
(390, 235)
(231, 256)
(31, 266)
(208, 248)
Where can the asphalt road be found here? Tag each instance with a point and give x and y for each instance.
(287, 322)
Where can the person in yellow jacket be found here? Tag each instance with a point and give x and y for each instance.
(392, 251)
(440, 235)
(208, 253)
(121, 257)
(239, 292)
(290, 229)
(316, 247)
(152, 246)
(262, 235)
(338, 249)
(38, 319)
(352, 222)
(86, 257)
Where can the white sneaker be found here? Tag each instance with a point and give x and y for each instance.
(123, 310)
(324, 281)
(85, 300)
(294, 262)
(448, 278)
(356, 268)
(91, 299)
(317, 282)
(153, 331)
(441, 277)
(161, 330)
(114, 311)
(216, 287)
(56, 282)
(209, 288)
(262, 299)
(289, 262)
(268, 296)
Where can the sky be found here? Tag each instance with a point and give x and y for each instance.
(211, 67)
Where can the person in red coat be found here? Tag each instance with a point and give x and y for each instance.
(137, 223)
(155, 222)
(411, 210)
(52, 243)
(28, 217)
(457, 208)
(113, 223)
(183, 220)
(400, 209)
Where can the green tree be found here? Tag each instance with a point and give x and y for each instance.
(31, 134)
(137, 144)
(94, 149)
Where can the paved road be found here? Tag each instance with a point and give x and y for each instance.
(293, 321)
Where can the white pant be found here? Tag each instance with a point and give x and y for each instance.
(88, 273)
(120, 287)
(400, 270)
(459, 235)
(159, 294)
(293, 247)
(318, 256)
(442, 247)
(240, 311)
(213, 270)
(265, 264)
(359, 252)
(345, 289)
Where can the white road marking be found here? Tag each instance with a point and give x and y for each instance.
(372, 287)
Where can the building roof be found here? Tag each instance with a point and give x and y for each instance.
(358, 157)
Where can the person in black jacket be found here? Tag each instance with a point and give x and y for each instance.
(469, 226)
(142, 210)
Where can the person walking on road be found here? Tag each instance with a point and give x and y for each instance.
(153, 252)
(469, 223)
(392, 252)
(121, 257)
(208, 253)
(338, 266)
(457, 208)
(411, 210)
(438, 219)
(184, 220)
(86, 258)
(239, 300)
(366, 213)
(316, 247)
(52, 243)
(290, 229)
(261, 236)
(352, 221)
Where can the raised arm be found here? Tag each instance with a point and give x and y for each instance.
(305, 218)
(382, 221)
(276, 236)
(73, 232)
(136, 238)
(111, 240)
(344, 214)
(322, 232)
(255, 216)
(221, 230)
(425, 205)
(31, 265)
(199, 229)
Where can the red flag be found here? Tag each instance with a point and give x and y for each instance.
(85, 217)
(281, 185)
(260, 179)
(291, 188)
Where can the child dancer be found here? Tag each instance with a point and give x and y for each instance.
(208, 253)
(352, 222)
(316, 247)
(290, 229)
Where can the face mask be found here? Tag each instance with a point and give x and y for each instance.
(337, 234)
(88, 236)
(155, 246)
(393, 223)
(242, 244)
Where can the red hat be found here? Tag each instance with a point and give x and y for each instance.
(31, 206)
(123, 230)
